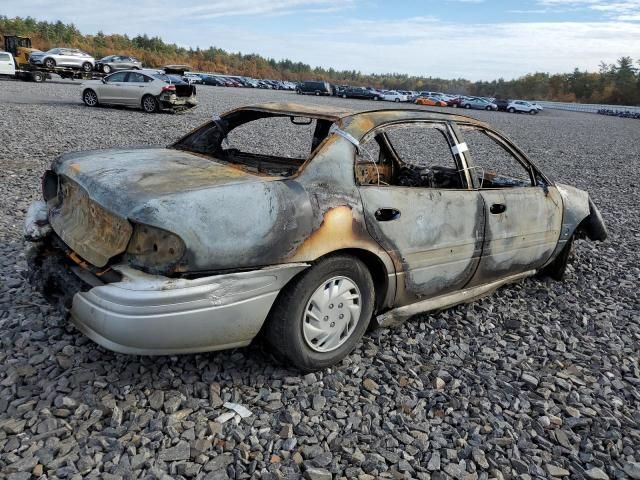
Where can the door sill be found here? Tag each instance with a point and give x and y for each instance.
(399, 315)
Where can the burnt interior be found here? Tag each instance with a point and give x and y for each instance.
(225, 140)
(386, 167)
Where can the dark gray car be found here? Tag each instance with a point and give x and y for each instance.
(113, 63)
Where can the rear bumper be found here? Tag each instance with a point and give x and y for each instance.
(153, 315)
(173, 102)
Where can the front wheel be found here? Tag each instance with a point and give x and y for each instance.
(319, 318)
(467, 106)
(488, 108)
(87, 67)
(90, 98)
(455, 105)
(49, 63)
(150, 104)
(375, 99)
(106, 69)
(397, 100)
(344, 95)
(533, 112)
(558, 267)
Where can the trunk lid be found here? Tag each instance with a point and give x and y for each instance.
(121, 180)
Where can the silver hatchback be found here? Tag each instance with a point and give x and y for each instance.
(63, 57)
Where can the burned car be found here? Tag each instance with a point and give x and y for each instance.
(347, 218)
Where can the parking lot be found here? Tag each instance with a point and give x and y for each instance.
(540, 379)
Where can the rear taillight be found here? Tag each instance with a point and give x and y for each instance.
(169, 88)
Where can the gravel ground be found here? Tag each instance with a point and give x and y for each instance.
(539, 380)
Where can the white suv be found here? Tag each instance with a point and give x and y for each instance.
(7, 67)
(522, 106)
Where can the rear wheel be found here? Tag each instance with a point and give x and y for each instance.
(317, 93)
(90, 98)
(488, 108)
(320, 316)
(49, 62)
(512, 110)
(38, 77)
(375, 99)
(467, 106)
(106, 69)
(87, 67)
(454, 105)
(150, 104)
(344, 95)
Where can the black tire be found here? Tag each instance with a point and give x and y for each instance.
(106, 69)
(397, 100)
(49, 62)
(344, 95)
(90, 98)
(558, 267)
(533, 112)
(512, 110)
(87, 67)
(150, 104)
(467, 106)
(284, 326)
(317, 93)
(455, 105)
(375, 99)
(488, 108)
(38, 77)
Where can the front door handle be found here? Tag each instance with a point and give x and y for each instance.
(498, 208)
(387, 214)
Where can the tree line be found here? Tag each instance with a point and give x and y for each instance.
(617, 83)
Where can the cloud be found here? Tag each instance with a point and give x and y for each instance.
(623, 10)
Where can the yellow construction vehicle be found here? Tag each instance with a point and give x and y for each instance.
(20, 48)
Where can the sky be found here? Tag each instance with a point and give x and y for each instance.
(473, 39)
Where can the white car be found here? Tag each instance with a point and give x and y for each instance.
(151, 90)
(191, 78)
(7, 66)
(393, 96)
(520, 106)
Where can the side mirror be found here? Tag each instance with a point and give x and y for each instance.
(104, 80)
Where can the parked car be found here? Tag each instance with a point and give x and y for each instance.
(192, 78)
(362, 93)
(478, 104)
(502, 103)
(7, 64)
(313, 87)
(520, 106)
(429, 101)
(192, 247)
(394, 96)
(114, 63)
(454, 102)
(63, 57)
(150, 90)
(212, 80)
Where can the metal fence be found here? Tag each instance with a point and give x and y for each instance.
(587, 107)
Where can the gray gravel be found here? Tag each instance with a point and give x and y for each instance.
(540, 380)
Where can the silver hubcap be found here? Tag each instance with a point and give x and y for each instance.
(332, 314)
(90, 98)
(149, 104)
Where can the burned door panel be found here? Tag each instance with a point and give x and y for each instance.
(522, 230)
(435, 241)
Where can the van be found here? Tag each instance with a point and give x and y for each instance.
(314, 88)
(7, 65)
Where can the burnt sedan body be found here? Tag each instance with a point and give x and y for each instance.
(356, 217)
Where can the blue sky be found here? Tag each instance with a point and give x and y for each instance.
(475, 39)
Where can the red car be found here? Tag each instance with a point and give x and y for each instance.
(454, 102)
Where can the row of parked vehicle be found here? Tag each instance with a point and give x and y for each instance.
(434, 99)
(619, 113)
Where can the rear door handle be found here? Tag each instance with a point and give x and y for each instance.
(387, 214)
(498, 208)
